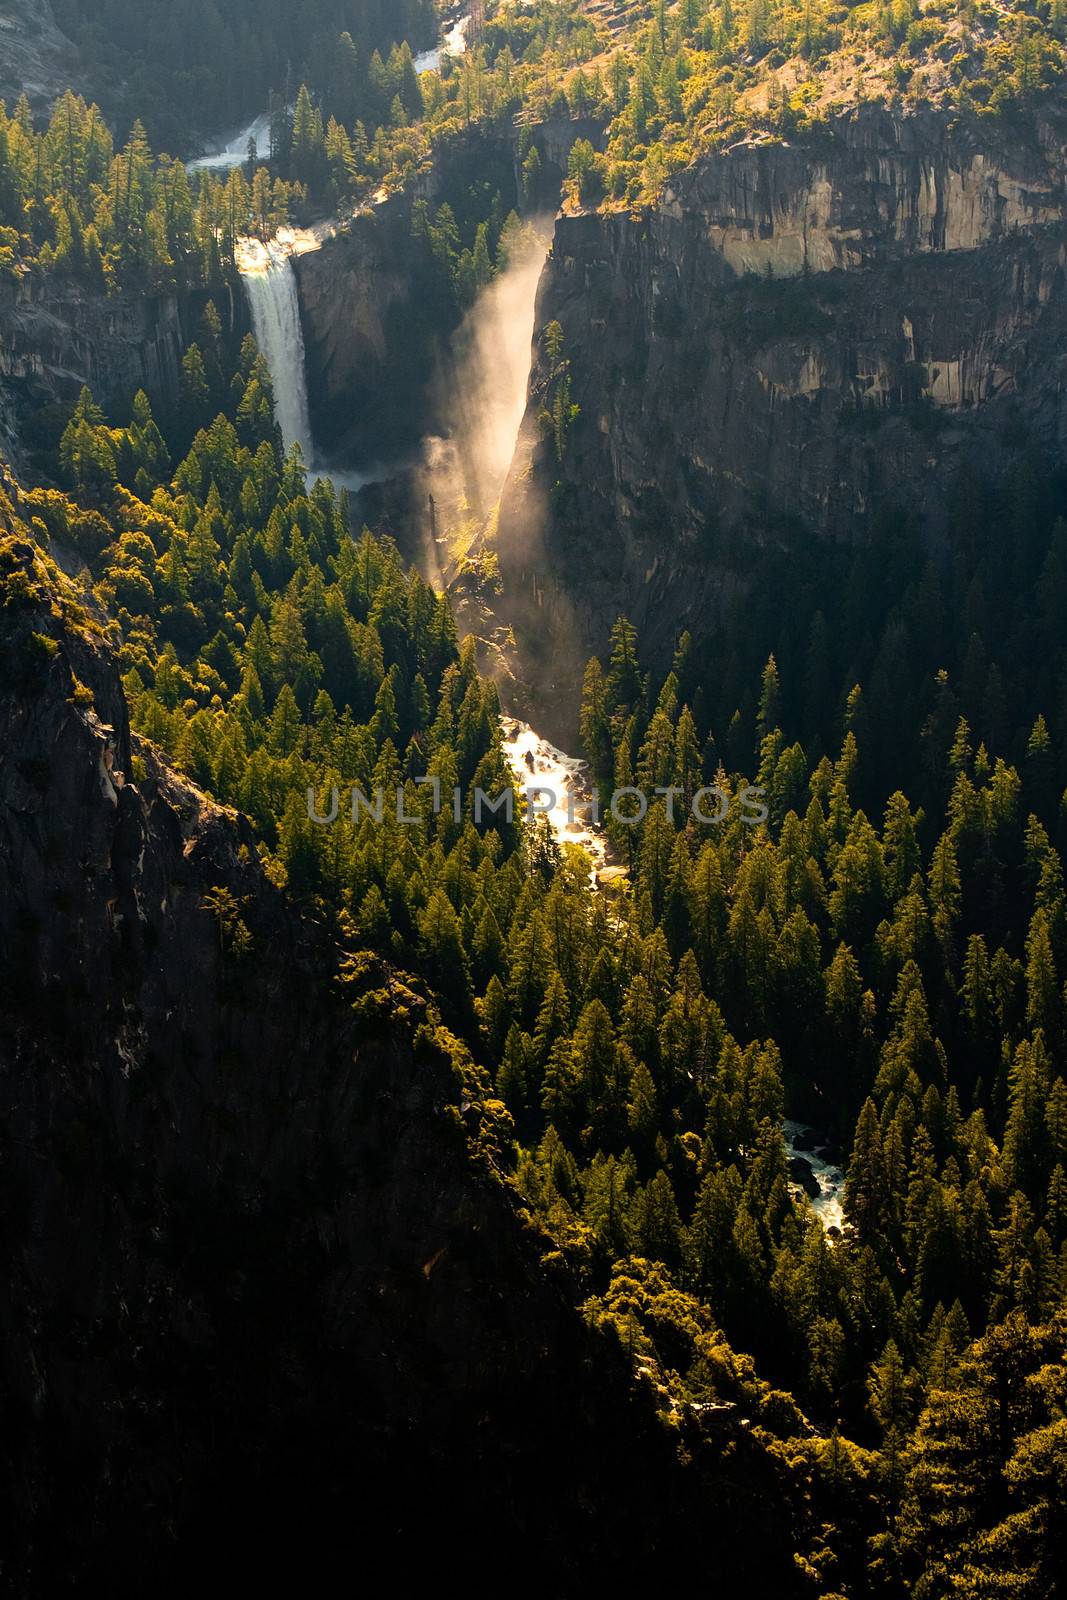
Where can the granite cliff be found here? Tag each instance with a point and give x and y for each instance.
(36, 59)
(55, 337)
(805, 331)
(376, 322)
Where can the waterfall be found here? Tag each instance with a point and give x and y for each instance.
(270, 284)
(483, 393)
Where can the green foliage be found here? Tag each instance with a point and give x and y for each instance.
(73, 205)
(235, 941)
(185, 65)
(358, 122)
(885, 952)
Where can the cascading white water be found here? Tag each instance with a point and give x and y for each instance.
(454, 43)
(270, 284)
(234, 153)
(484, 395)
(805, 1145)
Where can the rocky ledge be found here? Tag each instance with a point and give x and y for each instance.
(804, 331)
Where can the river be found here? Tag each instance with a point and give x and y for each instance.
(537, 764)
(270, 285)
(560, 778)
(454, 43)
(234, 152)
(803, 1143)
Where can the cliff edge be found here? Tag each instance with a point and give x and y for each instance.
(805, 331)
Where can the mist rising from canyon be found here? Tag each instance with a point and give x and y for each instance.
(484, 382)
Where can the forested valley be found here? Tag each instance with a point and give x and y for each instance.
(881, 958)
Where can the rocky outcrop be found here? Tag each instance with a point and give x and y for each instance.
(802, 1173)
(54, 338)
(555, 137)
(36, 59)
(267, 1303)
(794, 335)
(873, 188)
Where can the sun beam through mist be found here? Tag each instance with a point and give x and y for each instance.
(485, 384)
(498, 335)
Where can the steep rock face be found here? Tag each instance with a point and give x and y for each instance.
(794, 335)
(36, 59)
(266, 1303)
(371, 341)
(376, 323)
(877, 187)
(54, 339)
(555, 137)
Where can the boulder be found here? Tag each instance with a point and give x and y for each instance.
(800, 1171)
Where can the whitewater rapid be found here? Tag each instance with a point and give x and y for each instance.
(234, 153)
(828, 1203)
(538, 764)
(454, 43)
(535, 763)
